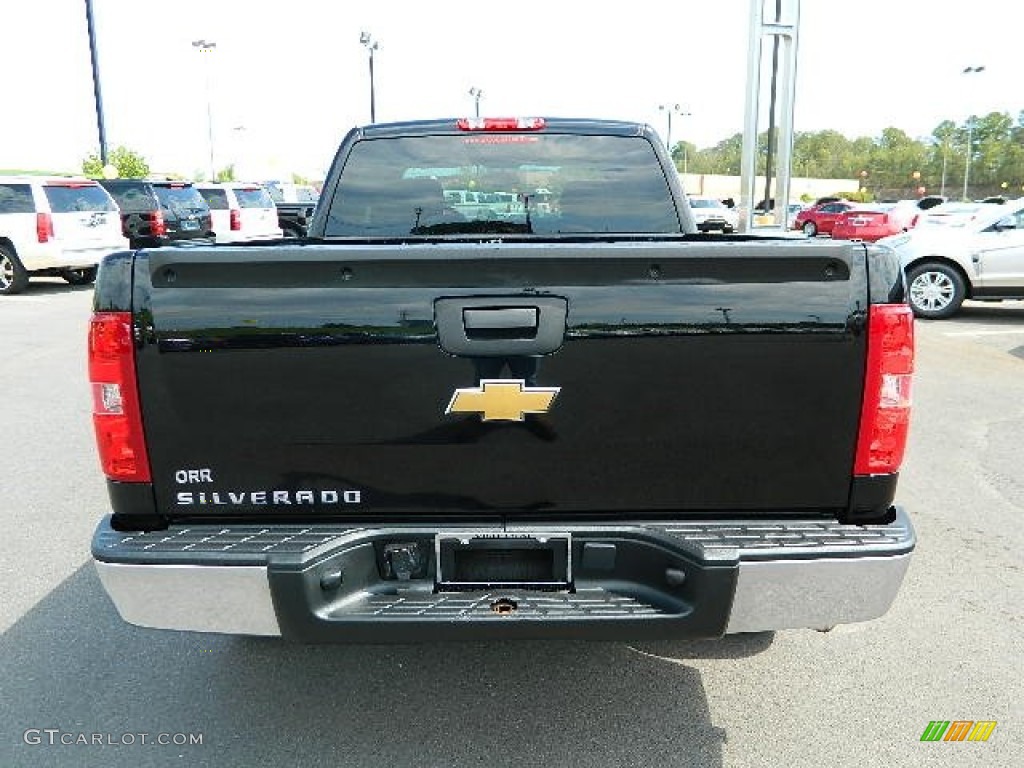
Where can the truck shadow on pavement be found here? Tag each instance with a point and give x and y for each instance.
(72, 664)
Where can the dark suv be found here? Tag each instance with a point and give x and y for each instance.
(155, 213)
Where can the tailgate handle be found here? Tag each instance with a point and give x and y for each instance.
(500, 326)
(501, 319)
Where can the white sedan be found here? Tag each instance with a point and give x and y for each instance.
(973, 253)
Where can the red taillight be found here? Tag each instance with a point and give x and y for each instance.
(501, 123)
(236, 219)
(44, 227)
(157, 225)
(116, 414)
(885, 411)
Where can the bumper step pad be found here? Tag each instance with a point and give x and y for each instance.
(796, 539)
(503, 603)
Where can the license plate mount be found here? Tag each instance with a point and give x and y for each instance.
(522, 560)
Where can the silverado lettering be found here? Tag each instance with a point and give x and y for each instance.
(722, 455)
(268, 497)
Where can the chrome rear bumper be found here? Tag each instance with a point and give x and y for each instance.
(331, 583)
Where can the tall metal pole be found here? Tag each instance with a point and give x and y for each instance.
(371, 45)
(970, 132)
(683, 142)
(970, 149)
(786, 30)
(772, 98)
(669, 109)
(207, 47)
(942, 191)
(96, 83)
(476, 93)
(373, 92)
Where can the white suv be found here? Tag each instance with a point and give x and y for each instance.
(962, 251)
(241, 211)
(710, 213)
(60, 227)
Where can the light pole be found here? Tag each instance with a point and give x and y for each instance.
(91, 27)
(207, 47)
(239, 131)
(945, 152)
(669, 109)
(371, 46)
(476, 93)
(970, 131)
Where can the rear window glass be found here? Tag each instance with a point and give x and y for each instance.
(956, 215)
(16, 198)
(69, 199)
(217, 199)
(705, 203)
(181, 200)
(132, 198)
(522, 183)
(254, 198)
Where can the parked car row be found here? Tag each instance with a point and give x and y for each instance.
(63, 226)
(846, 220)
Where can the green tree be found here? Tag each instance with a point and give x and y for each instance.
(227, 173)
(992, 142)
(683, 154)
(129, 164)
(940, 164)
(895, 164)
(898, 164)
(723, 158)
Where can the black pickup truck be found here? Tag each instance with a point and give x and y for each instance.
(576, 419)
(295, 205)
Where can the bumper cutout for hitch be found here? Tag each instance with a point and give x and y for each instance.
(504, 606)
(527, 560)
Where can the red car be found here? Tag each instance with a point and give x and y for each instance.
(873, 222)
(819, 219)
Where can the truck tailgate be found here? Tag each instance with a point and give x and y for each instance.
(690, 377)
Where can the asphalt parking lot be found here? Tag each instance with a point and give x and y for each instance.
(952, 647)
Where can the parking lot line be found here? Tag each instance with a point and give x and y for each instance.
(1007, 332)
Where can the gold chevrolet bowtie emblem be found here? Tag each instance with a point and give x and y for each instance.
(502, 400)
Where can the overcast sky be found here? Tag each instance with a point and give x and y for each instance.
(289, 77)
